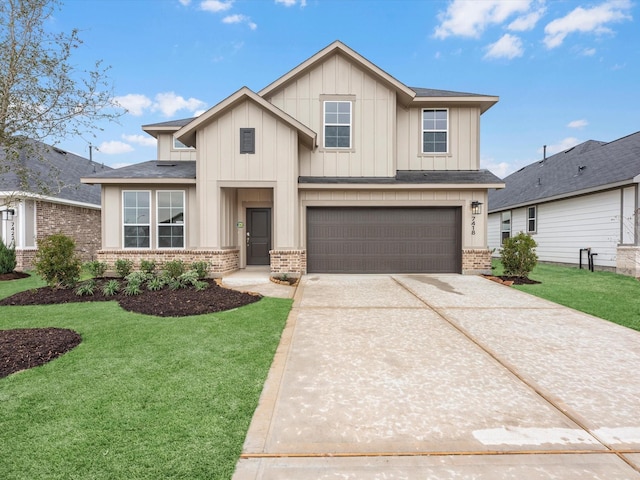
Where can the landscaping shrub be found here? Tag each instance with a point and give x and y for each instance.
(56, 261)
(174, 269)
(86, 288)
(518, 255)
(148, 266)
(202, 268)
(96, 268)
(123, 267)
(7, 258)
(111, 288)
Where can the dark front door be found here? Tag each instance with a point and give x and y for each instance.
(258, 236)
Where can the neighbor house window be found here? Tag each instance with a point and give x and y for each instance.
(170, 206)
(337, 124)
(532, 219)
(136, 219)
(435, 126)
(505, 226)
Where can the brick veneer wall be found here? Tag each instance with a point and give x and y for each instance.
(220, 261)
(476, 261)
(628, 261)
(292, 262)
(25, 258)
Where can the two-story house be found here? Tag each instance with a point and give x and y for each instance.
(335, 167)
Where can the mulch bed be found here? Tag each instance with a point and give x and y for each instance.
(28, 348)
(510, 280)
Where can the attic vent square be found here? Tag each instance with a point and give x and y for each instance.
(247, 140)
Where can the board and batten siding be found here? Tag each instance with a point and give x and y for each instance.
(464, 141)
(167, 152)
(374, 116)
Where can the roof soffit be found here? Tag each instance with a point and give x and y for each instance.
(405, 94)
(187, 134)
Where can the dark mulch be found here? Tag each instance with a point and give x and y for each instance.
(12, 276)
(30, 347)
(161, 303)
(512, 280)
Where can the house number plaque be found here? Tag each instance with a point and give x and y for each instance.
(473, 225)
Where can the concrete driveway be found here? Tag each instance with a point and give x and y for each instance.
(444, 377)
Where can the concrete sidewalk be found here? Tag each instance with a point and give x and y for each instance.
(444, 376)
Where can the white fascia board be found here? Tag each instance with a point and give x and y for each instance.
(46, 198)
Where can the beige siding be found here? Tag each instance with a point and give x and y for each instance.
(167, 152)
(374, 112)
(464, 141)
(422, 198)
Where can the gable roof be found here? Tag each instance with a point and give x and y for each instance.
(57, 170)
(154, 129)
(587, 167)
(187, 134)
(405, 93)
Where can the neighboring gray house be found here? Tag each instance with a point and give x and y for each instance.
(50, 199)
(584, 197)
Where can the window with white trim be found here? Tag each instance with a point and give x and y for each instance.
(136, 219)
(435, 128)
(337, 124)
(505, 226)
(178, 145)
(170, 219)
(532, 219)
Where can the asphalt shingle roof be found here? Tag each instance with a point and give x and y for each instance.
(414, 176)
(151, 169)
(59, 171)
(431, 92)
(591, 164)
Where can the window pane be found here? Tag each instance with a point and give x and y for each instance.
(331, 107)
(143, 199)
(164, 215)
(129, 199)
(532, 225)
(331, 136)
(344, 118)
(344, 107)
(164, 199)
(130, 215)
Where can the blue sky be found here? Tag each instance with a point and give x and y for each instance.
(565, 71)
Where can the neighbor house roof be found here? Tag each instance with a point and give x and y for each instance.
(587, 167)
(446, 178)
(52, 173)
(153, 171)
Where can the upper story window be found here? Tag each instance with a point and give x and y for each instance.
(170, 219)
(178, 145)
(337, 124)
(136, 219)
(532, 219)
(435, 131)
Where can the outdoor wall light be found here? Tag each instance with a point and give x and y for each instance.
(8, 214)
(476, 207)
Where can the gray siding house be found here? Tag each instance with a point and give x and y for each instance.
(586, 197)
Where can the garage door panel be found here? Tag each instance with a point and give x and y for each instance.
(383, 240)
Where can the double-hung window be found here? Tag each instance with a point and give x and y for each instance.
(337, 124)
(435, 129)
(532, 219)
(170, 206)
(136, 219)
(505, 226)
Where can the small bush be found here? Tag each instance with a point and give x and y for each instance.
(174, 269)
(518, 255)
(189, 278)
(123, 267)
(7, 258)
(148, 266)
(96, 268)
(111, 288)
(86, 288)
(155, 284)
(56, 261)
(137, 277)
(132, 289)
(200, 285)
(202, 268)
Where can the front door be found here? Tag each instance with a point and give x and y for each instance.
(258, 236)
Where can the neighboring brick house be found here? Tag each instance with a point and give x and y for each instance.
(335, 167)
(54, 201)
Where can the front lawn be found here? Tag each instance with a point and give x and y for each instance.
(141, 396)
(604, 294)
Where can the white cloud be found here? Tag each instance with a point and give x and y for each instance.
(561, 146)
(509, 46)
(578, 123)
(216, 5)
(114, 147)
(589, 52)
(185, 2)
(239, 18)
(291, 3)
(501, 169)
(169, 103)
(134, 103)
(586, 20)
(469, 18)
(144, 140)
(526, 22)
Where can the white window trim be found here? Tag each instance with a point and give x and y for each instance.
(177, 147)
(534, 218)
(122, 224)
(422, 131)
(183, 224)
(350, 101)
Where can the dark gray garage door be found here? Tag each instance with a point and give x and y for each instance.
(384, 240)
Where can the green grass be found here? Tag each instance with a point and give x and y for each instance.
(603, 294)
(141, 396)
